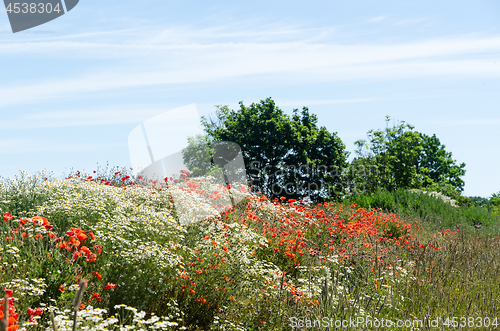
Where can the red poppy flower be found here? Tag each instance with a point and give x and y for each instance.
(7, 217)
(8, 292)
(109, 286)
(95, 296)
(98, 248)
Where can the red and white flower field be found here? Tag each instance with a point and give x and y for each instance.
(117, 255)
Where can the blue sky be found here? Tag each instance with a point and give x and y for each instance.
(72, 90)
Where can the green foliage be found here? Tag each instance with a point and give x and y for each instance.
(438, 164)
(198, 156)
(365, 175)
(19, 196)
(394, 152)
(228, 273)
(281, 152)
(475, 201)
(406, 159)
(437, 213)
(455, 279)
(495, 203)
(444, 188)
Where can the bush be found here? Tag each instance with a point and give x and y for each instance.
(495, 203)
(436, 212)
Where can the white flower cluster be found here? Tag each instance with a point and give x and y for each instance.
(208, 200)
(225, 325)
(311, 280)
(26, 287)
(134, 225)
(93, 319)
(12, 250)
(74, 287)
(437, 195)
(397, 274)
(240, 242)
(76, 199)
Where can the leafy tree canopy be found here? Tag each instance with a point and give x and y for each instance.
(284, 155)
(198, 156)
(495, 203)
(404, 158)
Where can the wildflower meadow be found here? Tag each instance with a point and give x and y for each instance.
(111, 252)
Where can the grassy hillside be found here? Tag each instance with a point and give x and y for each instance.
(140, 256)
(437, 213)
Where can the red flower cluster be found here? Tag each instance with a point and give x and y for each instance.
(33, 313)
(77, 237)
(38, 220)
(109, 286)
(95, 296)
(202, 300)
(104, 181)
(7, 217)
(13, 316)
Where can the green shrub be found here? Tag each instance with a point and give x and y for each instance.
(420, 206)
(444, 188)
(495, 204)
(19, 195)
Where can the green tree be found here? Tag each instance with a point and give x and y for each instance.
(438, 164)
(284, 155)
(404, 158)
(495, 203)
(198, 155)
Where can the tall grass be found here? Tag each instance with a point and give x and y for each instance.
(436, 213)
(262, 265)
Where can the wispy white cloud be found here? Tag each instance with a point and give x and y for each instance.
(109, 115)
(132, 43)
(322, 102)
(119, 114)
(219, 40)
(35, 145)
(377, 19)
(468, 122)
(155, 60)
(410, 21)
(307, 103)
(308, 72)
